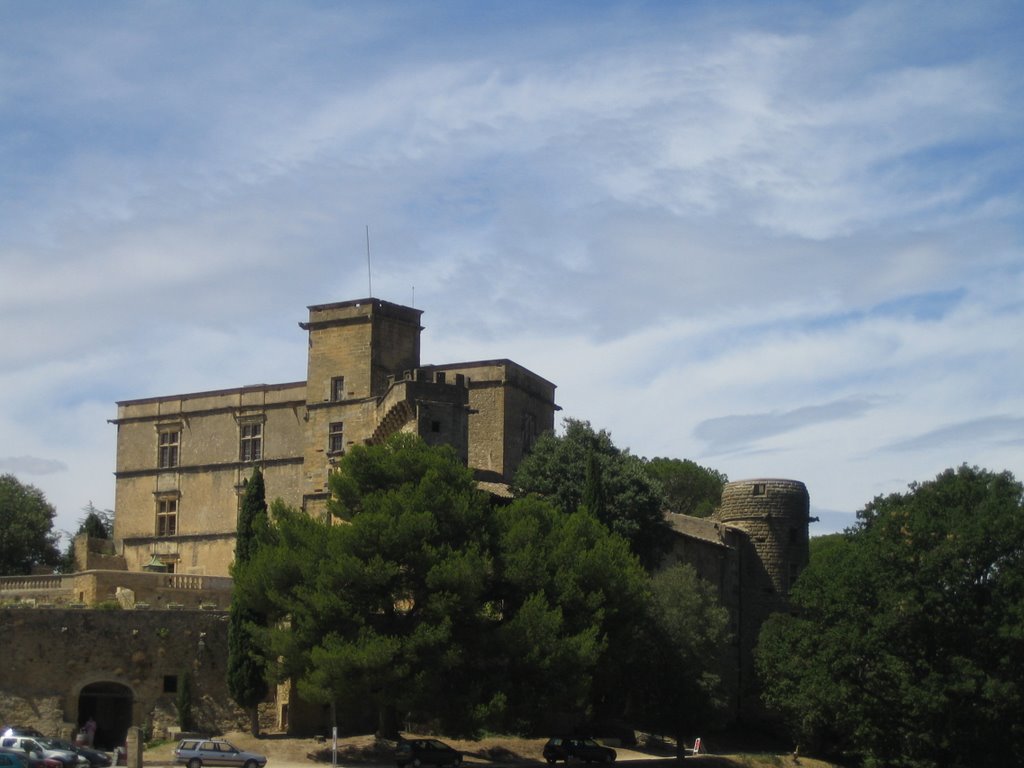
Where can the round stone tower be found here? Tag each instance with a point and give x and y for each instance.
(772, 517)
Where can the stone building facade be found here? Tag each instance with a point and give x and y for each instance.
(181, 468)
(183, 460)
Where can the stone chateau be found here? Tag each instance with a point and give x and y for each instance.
(181, 467)
(183, 460)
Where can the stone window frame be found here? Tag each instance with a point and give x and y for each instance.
(759, 489)
(250, 438)
(336, 438)
(168, 445)
(167, 510)
(338, 393)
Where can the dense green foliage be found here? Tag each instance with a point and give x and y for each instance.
(381, 607)
(247, 675)
(907, 646)
(420, 598)
(687, 632)
(27, 538)
(689, 488)
(583, 467)
(573, 598)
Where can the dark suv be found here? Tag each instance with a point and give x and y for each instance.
(417, 752)
(580, 749)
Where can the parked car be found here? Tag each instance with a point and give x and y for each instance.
(43, 748)
(30, 760)
(417, 752)
(96, 758)
(196, 753)
(19, 730)
(581, 749)
(20, 758)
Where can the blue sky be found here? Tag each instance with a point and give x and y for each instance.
(780, 239)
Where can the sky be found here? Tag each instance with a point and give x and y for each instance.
(779, 239)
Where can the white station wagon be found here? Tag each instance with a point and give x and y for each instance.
(196, 753)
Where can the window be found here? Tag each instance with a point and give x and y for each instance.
(760, 489)
(170, 683)
(166, 517)
(336, 438)
(167, 455)
(251, 443)
(338, 388)
(528, 431)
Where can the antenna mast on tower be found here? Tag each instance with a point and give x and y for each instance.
(369, 274)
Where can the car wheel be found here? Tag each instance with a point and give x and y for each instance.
(249, 764)
(195, 762)
(416, 763)
(609, 759)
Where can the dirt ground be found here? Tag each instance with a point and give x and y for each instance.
(285, 752)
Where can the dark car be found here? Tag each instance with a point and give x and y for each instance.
(580, 749)
(40, 747)
(27, 760)
(96, 758)
(30, 760)
(417, 752)
(16, 758)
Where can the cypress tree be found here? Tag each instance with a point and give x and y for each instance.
(247, 679)
(183, 702)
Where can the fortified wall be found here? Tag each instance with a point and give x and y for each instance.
(751, 549)
(122, 668)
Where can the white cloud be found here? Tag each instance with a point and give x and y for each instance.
(679, 215)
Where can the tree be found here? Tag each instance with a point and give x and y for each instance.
(97, 523)
(27, 538)
(679, 690)
(417, 586)
(571, 595)
(383, 607)
(689, 488)
(183, 701)
(907, 646)
(247, 675)
(583, 465)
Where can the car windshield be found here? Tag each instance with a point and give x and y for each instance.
(437, 744)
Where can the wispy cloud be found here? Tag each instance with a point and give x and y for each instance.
(32, 465)
(729, 433)
(1002, 430)
(789, 240)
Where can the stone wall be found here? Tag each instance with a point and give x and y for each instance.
(63, 654)
(773, 515)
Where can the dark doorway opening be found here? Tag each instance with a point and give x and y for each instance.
(110, 705)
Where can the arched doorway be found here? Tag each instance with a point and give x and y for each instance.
(110, 705)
